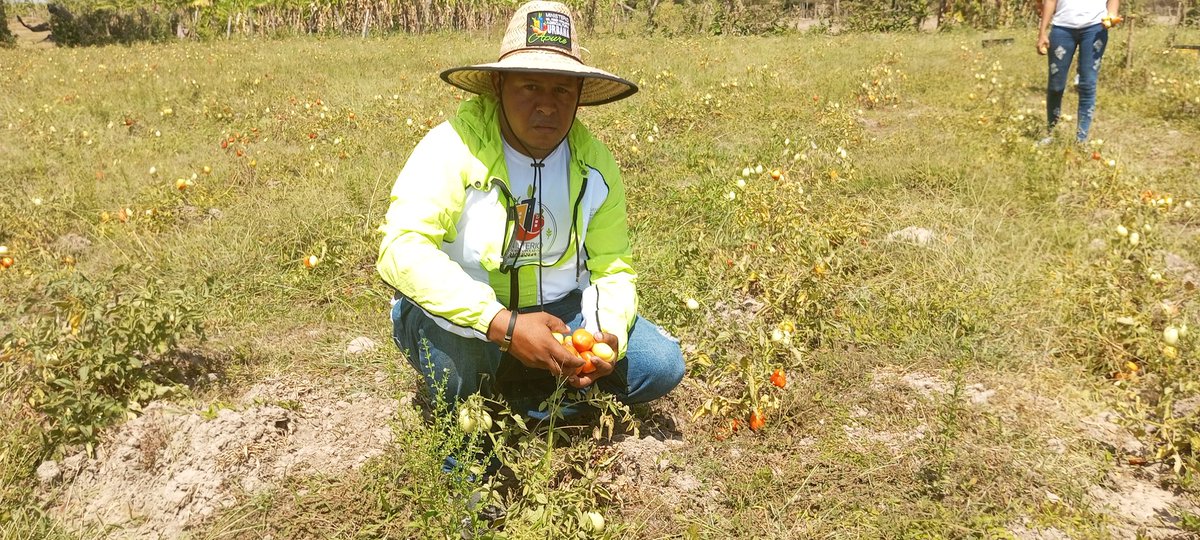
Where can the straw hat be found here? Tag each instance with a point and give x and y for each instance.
(541, 38)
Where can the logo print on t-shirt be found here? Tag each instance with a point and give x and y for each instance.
(530, 224)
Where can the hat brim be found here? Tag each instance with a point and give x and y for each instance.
(599, 86)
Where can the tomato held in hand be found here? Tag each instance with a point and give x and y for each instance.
(602, 350)
(589, 365)
(583, 340)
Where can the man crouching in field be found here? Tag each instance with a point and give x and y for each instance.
(507, 225)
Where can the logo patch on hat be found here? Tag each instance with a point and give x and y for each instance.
(548, 28)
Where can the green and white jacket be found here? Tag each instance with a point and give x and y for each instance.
(445, 231)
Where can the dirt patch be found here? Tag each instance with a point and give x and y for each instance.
(862, 439)
(1028, 531)
(1103, 427)
(1140, 508)
(740, 310)
(173, 467)
(646, 463)
(930, 386)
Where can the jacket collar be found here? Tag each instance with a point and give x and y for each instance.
(478, 123)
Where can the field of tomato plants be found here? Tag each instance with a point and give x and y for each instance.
(902, 318)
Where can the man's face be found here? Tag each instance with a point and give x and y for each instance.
(540, 108)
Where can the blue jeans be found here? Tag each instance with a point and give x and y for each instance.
(456, 367)
(1091, 42)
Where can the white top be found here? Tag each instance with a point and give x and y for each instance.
(546, 233)
(1079, 13)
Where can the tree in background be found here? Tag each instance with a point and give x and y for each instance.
(885, 15)
(6, 37)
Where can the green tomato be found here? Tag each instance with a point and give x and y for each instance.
(1171, 335)
(466, 421)
(596, 521)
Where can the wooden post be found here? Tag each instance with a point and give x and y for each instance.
(1129, 44)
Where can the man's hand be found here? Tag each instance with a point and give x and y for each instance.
(1043, 44)
(603, 368)
(532, 343)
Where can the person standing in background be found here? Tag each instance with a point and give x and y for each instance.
(1067, 26)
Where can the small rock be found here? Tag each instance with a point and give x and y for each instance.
(361, 344)
(979, 394)
(215, 213)
(1053, 498)
(1098, 244)
(49, 472)
(913, 235)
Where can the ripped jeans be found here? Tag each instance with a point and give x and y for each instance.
(456, 367)
(1091, 42)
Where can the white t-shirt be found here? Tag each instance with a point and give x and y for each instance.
(546, 232)
(1079, 13)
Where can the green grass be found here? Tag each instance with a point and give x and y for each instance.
(993, 300)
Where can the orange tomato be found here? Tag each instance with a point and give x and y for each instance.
(588, 365)
(6, 262)
(583, 340)
(757, 419)
(779, 378)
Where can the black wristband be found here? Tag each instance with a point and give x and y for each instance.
(512, 325)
